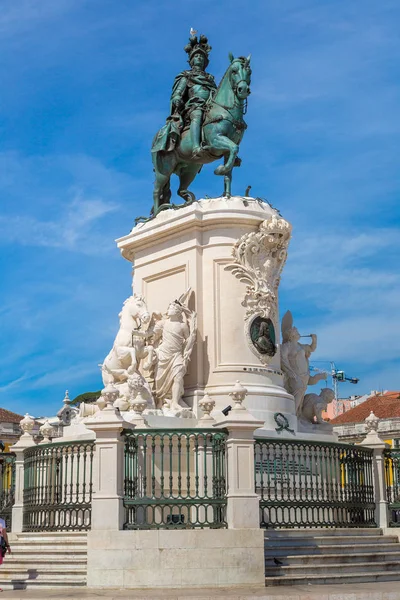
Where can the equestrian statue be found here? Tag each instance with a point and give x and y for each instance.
(205, 124)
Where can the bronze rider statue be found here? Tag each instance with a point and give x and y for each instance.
(190, 93)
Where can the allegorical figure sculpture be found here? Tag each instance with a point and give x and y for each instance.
(205, 124)
(295, 362)
(314, 405)
(175, 334)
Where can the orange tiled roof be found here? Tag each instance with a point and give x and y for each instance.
(384, 406)
(6, 416)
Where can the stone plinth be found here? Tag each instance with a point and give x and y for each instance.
(174, 559)
(191, 247)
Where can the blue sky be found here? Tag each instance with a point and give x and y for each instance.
(86, 84)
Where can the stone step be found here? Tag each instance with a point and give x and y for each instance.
(45, 560)
(52, 533)
(331, 540)
(339, 579)
(58, 555)
(321, 531)
(323, 570)
(47, 576)
(41, 562)
(339, 557)
(49, 539)
(26, 583)
(328, 549)
(45, 568)
(48, 544)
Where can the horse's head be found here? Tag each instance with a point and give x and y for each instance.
(137, 308)
(239, 74)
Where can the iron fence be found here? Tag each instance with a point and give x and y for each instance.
(392, 477)
(58, 486)
(314, 484)
(175, 479)
(7, 487)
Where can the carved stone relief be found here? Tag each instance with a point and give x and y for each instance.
(259, 258)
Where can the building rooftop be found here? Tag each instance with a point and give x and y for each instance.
(6, 416)
(385, 406)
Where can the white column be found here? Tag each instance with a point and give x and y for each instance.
(25, 441)
(108, 464)
(243, 510)
(373, 440)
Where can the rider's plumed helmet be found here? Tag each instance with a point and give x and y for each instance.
(196, 46)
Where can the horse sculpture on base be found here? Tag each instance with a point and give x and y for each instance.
(129, 346)
(223, 129)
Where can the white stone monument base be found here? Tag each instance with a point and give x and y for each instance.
(175, 558)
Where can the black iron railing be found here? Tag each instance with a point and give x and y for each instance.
(392, 477)
(58, 486)
(175, 479)
(7, 487)
(314, 484)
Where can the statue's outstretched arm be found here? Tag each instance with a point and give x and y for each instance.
(315, 378)
(310, 348)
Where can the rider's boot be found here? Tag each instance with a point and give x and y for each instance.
(195, 132)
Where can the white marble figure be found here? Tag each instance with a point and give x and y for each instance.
(175, 332)
(130, 347)
(315, 404)
(294, 362)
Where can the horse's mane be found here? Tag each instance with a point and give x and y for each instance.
(241, 59)
(132, 298)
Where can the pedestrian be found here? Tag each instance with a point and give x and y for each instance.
(4, 545)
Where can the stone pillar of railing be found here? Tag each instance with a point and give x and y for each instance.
(25, 441)
(372, 440)
(243, 510)
(108, 464)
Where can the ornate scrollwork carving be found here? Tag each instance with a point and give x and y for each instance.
(259, 259)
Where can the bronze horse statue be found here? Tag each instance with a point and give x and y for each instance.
(222, 132)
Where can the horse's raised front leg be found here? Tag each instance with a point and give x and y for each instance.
(221, 142)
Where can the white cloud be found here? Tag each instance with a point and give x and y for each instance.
(64, 377)
(72, 231)
(13, 383)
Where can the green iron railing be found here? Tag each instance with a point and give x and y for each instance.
(314, 484)
(7, 487)
(392, 477)
(58, 486)
(175, 479)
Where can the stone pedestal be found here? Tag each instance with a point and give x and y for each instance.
(108, 469)
(373, 440)
(25, 441)
(191, 247)
(243, 508)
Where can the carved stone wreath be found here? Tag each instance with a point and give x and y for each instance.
(259, 259)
